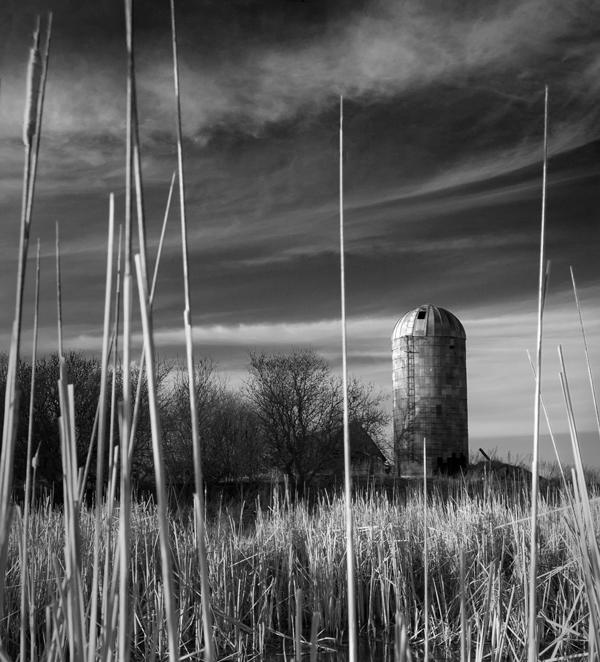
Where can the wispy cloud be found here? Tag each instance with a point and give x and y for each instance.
(505, 49)
(386, 50)
(379, 52)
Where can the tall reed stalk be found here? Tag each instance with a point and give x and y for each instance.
(425, 557)
(351, 572)
(26, 610)
(71, 599)
(547, 418)
(159, 472)
(101, 441)
(36, 85)
(585, 348)
(125, 423)
(532, 651)
(140, 381)
(464, 657)
(187, 322)
(586, 530)
(111, 581)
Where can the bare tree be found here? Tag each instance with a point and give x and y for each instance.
(299, 403)
(85, 374)
(233, 441)
(231, 446)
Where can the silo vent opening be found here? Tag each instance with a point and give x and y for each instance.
(421, 315)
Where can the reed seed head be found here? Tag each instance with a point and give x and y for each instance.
(34, 86)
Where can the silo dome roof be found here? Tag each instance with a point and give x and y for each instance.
(429, 320)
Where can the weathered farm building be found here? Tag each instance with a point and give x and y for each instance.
(366, 458)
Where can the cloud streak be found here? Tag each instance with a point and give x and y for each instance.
(385, 49)
(389, 49)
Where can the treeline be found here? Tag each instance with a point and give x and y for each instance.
(286, 416)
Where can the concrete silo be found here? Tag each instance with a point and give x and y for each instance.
(430, 391)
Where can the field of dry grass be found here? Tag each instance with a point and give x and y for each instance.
(258, 570)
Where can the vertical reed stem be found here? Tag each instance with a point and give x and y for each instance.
(352, 633)
(532, 651)
(425, 555)
(298, 628)
(101, 428)
(108, 604)
(463, 607)
(587, 355)
(543, 406)
(159, 472)
(59, 305)
(314, 631)
(125, 482)
(36, 83)
(588, 541)
(138, 391)
(209, 654)
(26, 506)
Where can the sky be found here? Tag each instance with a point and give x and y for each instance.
(443, 152)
